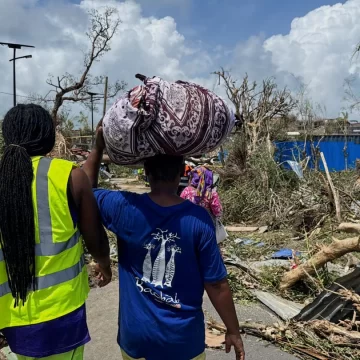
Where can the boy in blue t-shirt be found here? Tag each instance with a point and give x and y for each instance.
(168, 256)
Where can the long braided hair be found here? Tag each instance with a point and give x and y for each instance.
(28, 130)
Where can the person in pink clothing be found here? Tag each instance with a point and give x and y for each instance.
(201, 192)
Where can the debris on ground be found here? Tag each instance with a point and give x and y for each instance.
(240, 229)
(318, 339)
(7, 354)
(214, 339)
(244, 241)
(285, 254)
(337, 303)
(306, 267)
(285, 309)
(335, 250)
(263, 229)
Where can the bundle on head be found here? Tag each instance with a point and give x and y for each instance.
(28, 130)
(162, 117)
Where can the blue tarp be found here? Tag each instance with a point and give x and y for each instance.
(332, 147)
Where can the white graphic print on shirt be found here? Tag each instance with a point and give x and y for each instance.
(147, 267)
(170, 268)
(160, 271)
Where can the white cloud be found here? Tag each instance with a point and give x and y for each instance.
(142, 45)
(317, 49)
(317, 52)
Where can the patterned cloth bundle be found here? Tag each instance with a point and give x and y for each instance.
(160, 117)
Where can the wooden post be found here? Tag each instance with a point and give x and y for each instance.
(332, 187)
(105, 95)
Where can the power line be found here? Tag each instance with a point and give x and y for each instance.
(34, 98)
(23, 96)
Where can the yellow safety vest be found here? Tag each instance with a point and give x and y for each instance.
(61, 275)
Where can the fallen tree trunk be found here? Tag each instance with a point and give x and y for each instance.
(335, 250)
(349, 228)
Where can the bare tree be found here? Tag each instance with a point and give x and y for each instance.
(103, 26)
(257, 105)
(312, 117)
(351, 97)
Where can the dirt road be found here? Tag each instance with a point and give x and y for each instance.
(129, 184)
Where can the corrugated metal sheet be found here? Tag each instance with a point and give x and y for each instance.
(332, 147)
(330, 306)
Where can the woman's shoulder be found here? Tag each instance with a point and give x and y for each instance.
(188, 190)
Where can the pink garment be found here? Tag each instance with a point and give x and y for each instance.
(213, 205)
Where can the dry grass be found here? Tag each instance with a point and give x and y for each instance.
(264, 193)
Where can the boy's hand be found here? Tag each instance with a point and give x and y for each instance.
(99, 139)
(3, 342)
(105, 275)
(237, 343)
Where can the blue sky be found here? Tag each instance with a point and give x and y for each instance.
(228, 22)
(189, 40)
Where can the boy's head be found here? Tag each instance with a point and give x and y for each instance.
(164, 169)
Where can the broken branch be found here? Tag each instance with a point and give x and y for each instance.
(331, 252)
(332, 187)
(349, 228)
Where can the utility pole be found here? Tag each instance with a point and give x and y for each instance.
(105, 95)
(14, 47)
(92, 94)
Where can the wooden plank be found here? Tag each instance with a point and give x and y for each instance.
(335, 193)
(241, 228)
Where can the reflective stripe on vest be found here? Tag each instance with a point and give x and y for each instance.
(54, 248)
(47, 247)
(57, 278)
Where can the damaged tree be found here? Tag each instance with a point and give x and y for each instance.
(258, 106)
(335, 250)
(103, 27)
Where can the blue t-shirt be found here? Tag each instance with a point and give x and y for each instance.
(166, 254)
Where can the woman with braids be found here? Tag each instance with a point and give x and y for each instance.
(46, 208)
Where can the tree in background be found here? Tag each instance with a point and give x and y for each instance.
(351, 96)
(83, 121)
(70, 88)
(65, 122)
(258, 107)
(312, 117)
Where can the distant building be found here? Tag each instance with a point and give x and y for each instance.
(354, 127)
